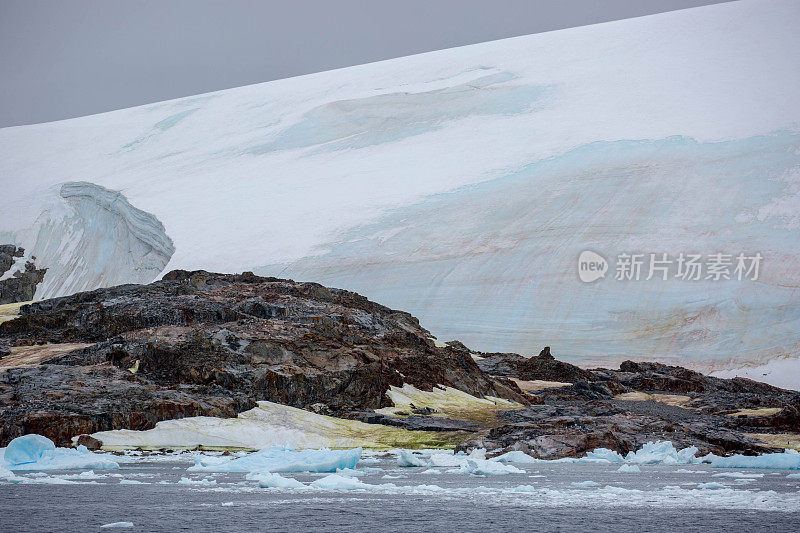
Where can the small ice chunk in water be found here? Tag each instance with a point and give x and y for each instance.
(282, 459)
(117, 524)
(408, 459)
(268, 480)
(207, 481)
(629, 468)
(585, 484)
(738, 475)
(482, 467)
(337, 482)
(712, 486)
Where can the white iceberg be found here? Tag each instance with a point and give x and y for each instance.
(408, 459)
(268, 480)
(281, 459)
(117, 524)
(482, 467)
(662, 452)
(629, 468)
(35, 452)
(337, 482)
(585, 484)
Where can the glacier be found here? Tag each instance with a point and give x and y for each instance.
(462, 185)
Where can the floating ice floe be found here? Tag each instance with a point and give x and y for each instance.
(711, 486)
(281, 459)
(585, 484)
(337, 482)
(738, 475)
(268, 480)
(475, 463)
(117, 524)
(482, 467)
(35, 452)
(788, 460)
(206, 481)
(629, 468)
(407, 459)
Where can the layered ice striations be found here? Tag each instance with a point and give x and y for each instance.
(88, 236)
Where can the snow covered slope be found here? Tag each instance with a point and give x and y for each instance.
(462, 185)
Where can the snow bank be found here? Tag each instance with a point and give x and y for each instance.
(281, 459)
(268, 424)
(35, 452)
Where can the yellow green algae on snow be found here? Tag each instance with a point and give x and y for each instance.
(445, 401)
(11, 311)
(270, 424)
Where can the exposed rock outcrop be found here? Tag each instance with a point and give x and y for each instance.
(198, 343)
(544, 367)
(21, 285)
(624, 409)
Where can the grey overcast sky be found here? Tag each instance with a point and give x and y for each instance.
(67, 58)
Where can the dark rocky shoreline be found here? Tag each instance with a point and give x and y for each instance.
(197, 343)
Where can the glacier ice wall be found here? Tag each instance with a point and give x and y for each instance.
(495, 264)
(88, 236)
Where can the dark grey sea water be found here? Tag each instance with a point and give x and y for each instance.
(552, 498)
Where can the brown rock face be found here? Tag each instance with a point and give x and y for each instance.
(198, 343)
(544, 367)
(21, 286)
(571, 420)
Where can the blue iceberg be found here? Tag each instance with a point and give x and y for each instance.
(35, 452)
